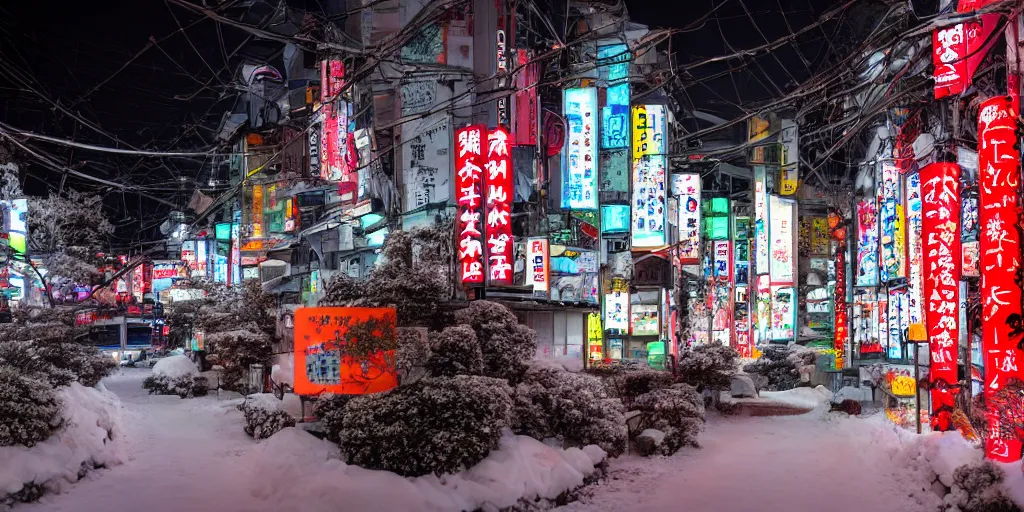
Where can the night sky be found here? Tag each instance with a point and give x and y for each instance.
(173, 94)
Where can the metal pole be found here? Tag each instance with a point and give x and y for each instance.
(917, 389)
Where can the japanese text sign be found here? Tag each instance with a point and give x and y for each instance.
(649, 179)
(498, 169)
(323, 365)
(949, 52)
(940, 229)
(999, 211)
(686, 188)
(538, 260)
(468, 190)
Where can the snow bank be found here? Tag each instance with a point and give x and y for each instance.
(290, 403)
(284, 371)
(91, 437)
(294, 467)
(852, 393)
(801, 398)
(570, 364)
(175, 367)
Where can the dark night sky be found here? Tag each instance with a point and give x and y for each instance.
(170, 97)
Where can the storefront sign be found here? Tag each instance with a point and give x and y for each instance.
(957, 51)
(686, 188)
(537, 264)
(579, 180)
(499, 206)
(762, 256)
(645, 320)
(14, 225)
(940, 195)
(842, 319)
(867, 243)
(783, 313)
(334, 122)
(426, 167)
(999, 209)
(971, 259)
(469, 187)
(781, 213)
(314, 149)
(614, 67)
(891, 213)
(320, 365)
(616, 311)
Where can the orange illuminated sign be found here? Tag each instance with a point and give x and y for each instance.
(321, 363)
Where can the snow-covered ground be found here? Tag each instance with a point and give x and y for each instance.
(193, 455)
(180, 455)
(808, 463)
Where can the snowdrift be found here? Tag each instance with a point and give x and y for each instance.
(175, 367)
(91, 437)
(295, 471)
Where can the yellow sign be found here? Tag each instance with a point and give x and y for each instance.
(903, 386)
(916, 332)
(758, 129)
(643, 134)
(789, 181)
(594, 330)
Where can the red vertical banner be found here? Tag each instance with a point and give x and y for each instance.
(940, 234)
(999, 212)
(499, 206)
(469, 190)
(842, 319)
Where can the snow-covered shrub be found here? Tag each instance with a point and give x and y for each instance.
(641, 382)
(412, 353)
(572, 406)
(977, 487)
(264, 417)
(506, 345)
(185, 386)
(49, 351)
(677, 411)
(455, 351)
(330, 412)
(238, 349)
(29, 409)
(438, 425)
(710, 366)
(775, 370)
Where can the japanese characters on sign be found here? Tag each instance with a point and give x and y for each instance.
(940, 227)
(949, 52)
(842, 320)
(686, 188)
(914, 253)
(762, 259)
(498, 169)
(999, 212)
(648, 201)
(890, 202)
(321, 363)
(579, 180)
(614, 68)
(783, 239)
(616, 311)
(867, 243)
(334, 154)
(538, 264)
(468, 190)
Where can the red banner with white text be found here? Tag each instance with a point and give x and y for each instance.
(999, 213)
(499, 206)
(468, 190)
(958, 50)
(940, 235)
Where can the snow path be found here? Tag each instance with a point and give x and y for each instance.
(181, 455)
(805, 463)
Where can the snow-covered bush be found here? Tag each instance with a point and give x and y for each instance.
(264, 416)
(977, 487)
(677, 411)
(572, 406)
(775, 370)
(240, 328)
(438, 425)
(186, 386)
(641, 382)
(455, 351)
(330, 412)
(29, 409)
(507, 346)
(710, 366)
(49, 351)
(412, 353)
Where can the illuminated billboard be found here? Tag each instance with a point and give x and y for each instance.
(649, 180)
(579, 165)
(14, 221)
(469, 187)
(321, 365)
(686, 189)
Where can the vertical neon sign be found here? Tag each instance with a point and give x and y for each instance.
(579, 174)
(648, 202)
(469, 187)
(686, 188)
(940, 227)
(499, 207)
(914, 254)
(999, 212)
